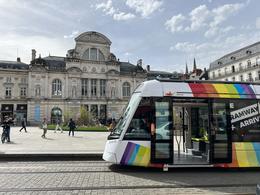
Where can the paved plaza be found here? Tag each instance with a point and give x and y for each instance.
(54, 143)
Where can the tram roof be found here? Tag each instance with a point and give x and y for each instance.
(199, 89)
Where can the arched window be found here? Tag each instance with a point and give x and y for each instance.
(93, 54)
(56, 114)
(56, 87)
(126, 89)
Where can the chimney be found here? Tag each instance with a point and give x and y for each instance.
(18, 59)
(148, 67)
(33, 54)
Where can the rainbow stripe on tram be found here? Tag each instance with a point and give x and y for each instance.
(222, 90)
(244, 154)
(136, 155)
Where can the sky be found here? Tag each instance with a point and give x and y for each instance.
(165, 34)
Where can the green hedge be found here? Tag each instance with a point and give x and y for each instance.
(81, 128)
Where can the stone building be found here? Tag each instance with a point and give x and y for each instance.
(240, 65)
(90, 76)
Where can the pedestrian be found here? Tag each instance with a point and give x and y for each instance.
(72, 127)
(23, 125)
(58, 126)
(7, 125)
(112, 125)
(44, 127)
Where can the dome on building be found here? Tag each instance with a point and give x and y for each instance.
(93, 37)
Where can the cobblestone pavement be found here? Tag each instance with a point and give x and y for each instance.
(99, 177)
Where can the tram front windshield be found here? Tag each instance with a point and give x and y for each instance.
(122, 121)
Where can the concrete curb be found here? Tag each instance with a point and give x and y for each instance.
(51, 157)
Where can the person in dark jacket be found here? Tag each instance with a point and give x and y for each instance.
(7, 126)
(23, 125)
(72, 127)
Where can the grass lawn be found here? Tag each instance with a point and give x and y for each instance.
(82, 128)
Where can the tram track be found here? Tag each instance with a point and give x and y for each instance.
(87, 188)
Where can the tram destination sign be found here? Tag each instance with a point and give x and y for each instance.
(246, 116)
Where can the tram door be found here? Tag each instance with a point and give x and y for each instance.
(221, 143)
(161, 132)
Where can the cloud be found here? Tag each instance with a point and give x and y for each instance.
(257, 23)
(109, 9)
(175, 23)
(144, 7)
(201, 18)
(221, 13)
(209, 51)
(123, 16)
(10, 43)
(73, 34)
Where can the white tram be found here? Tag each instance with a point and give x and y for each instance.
(188, 123)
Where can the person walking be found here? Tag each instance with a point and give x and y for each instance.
(72, 126)
(58, 126)
(44, 127)
(23, 126)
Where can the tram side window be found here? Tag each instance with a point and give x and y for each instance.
(245, 120)
(139, 128)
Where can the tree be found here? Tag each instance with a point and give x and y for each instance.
(85, 117)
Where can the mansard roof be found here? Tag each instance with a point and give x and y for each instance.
(128, 68)
(93, 37)
(13, 65)
(55, 63)
(236, 56)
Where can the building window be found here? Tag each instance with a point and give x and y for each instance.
(93, 87)
(24, 80)
(258, 75)
(56, 87)
(8, 92)
(126, 89)
(38, 90)
(257, 61)
(93, 54)
(241, 78)
(8, 79)
(23, 91)
(219, 73)
(102, 88)
(84, 87)
(233, 69)
(101, 56)
(213, 75)
(250, 78)
(240, 67)
(74, 91)
(225, 70)
(248, 64)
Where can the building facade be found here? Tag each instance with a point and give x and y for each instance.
(89, 76)
(241, 65)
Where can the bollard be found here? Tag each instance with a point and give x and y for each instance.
(258, 189)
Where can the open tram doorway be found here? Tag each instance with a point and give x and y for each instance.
(190, 124)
